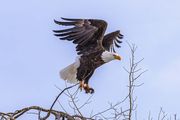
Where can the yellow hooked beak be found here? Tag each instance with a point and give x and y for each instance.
(117, 57)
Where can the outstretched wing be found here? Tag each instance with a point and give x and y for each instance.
(86, 33)
(112, 39)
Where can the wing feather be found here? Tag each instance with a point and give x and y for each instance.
(70, 19)
(65, 23)
(116, 44)
(112, 39)
(65, 30)
(118, 41)
(84, 32)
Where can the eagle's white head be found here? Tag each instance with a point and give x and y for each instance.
(109, 56)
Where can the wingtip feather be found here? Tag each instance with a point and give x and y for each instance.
(57, 22)
(70, 19)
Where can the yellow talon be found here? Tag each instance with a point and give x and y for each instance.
(88, 89)
(81, 86)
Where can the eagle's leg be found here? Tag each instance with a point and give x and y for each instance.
(88, 89)
(81, 86)
(86, 86)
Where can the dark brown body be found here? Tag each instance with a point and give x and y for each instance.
(88, 64)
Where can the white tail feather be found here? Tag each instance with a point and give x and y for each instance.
(69, 73)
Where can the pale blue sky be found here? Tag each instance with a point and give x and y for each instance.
(31, 57)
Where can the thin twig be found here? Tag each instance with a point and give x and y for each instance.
(44, 118)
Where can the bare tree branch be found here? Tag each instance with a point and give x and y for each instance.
(44, 118)
(133, 75)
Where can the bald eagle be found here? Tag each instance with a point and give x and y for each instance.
(93, 48)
